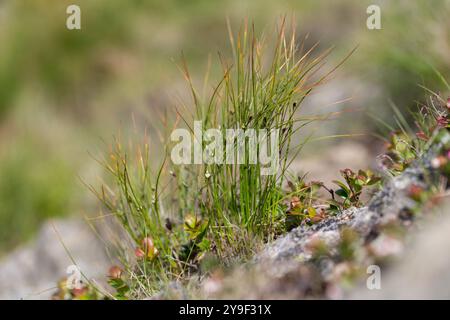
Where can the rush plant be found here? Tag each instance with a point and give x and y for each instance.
(251, 94)
(176, 216)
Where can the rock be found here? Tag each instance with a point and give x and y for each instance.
(287, 268)
(423, 271)
(32, 271)
(385, 206)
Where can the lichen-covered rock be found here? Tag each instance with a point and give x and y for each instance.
(423, 270)
(385, 206)
(294, 267)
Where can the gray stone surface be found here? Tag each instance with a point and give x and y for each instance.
(385, 206)
(423, 271)
(32, 271)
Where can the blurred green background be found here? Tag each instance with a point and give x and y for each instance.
(62, 92)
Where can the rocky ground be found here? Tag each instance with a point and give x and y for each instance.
(331, 259)
(423, 270)
(326, 260)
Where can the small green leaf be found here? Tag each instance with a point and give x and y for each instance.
(342, 186)
(204, 245)
(342, 193)
(373, 181)
(311, 212)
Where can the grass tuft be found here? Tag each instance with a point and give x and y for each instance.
(177, 215)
